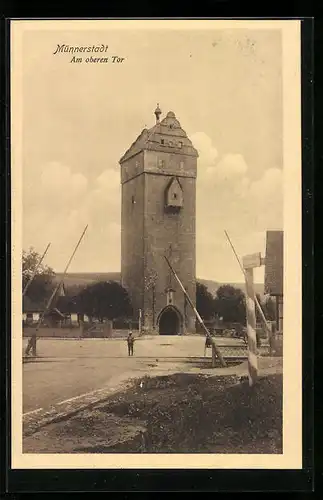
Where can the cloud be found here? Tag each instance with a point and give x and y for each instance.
(227, 168)
(207, 152)
(108, 179)
(59, 202)
(230, 166)
(228, 198)
(269, 185)
(57, 178)
(228, 177)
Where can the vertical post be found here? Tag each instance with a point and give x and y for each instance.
(251, 328)
(281, 312)
(186, 326)
(153, 292)
(81, 323)
(108, 327)
(277, 314)
(213, 356)
(139, 322)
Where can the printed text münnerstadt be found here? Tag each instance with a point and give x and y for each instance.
(80, 48)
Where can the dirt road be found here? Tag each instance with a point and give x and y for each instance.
(67, 369)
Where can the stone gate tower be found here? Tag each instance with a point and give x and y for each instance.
(158, 177)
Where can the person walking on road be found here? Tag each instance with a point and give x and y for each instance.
(130, 342)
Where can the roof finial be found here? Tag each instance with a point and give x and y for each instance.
(157, 113)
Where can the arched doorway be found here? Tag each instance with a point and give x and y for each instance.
(169, 321)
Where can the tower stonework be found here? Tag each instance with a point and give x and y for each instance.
(158, 177)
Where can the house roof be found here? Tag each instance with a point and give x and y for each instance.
(30, 306)
(64, 303)
(165, 136)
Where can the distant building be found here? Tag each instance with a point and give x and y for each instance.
(63, 310)
(274, 272)
(31, 310)
(158, 178)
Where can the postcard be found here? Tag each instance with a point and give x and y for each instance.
(156, 244)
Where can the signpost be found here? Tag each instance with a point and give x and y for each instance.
(265, 323)
(252, 260)
(249, 262)
(251, 319)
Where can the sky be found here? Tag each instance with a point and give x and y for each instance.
(78, 119)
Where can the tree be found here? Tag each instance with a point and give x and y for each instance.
(74, 290)
(230, 304)
(204, 301)
(104, 300)
(42, 285)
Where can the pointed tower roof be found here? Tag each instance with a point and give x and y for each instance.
(166, 135)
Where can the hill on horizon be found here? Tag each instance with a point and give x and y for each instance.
(84, 279)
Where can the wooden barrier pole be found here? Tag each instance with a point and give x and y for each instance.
(215, 349)
(34, 336)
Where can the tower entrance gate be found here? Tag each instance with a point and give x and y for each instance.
(170, 321)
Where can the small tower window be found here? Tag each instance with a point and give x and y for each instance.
(162, 141)
(174, 196)
(133, 201)
(180, 144)
(169, 296)
(171, 125)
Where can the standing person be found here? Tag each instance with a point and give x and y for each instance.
(130, 342)
(207, 345)
(31, 346)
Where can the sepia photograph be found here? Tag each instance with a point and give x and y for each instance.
(156, 244)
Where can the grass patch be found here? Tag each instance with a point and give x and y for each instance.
(187, 413)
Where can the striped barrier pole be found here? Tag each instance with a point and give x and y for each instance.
(249, 263)
(251, 328)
